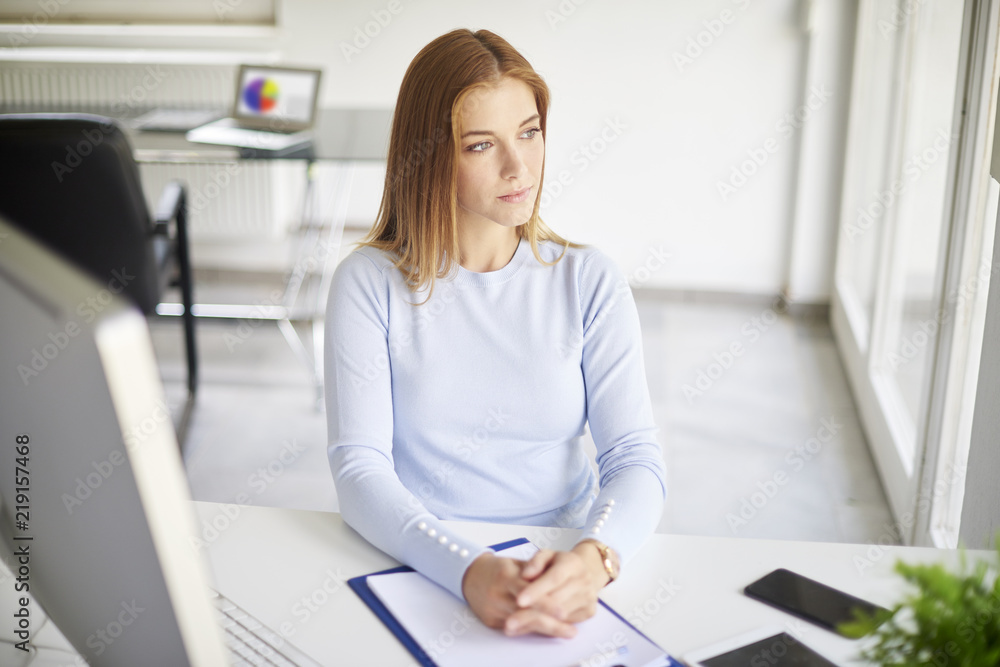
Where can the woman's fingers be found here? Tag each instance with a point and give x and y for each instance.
(538, 564)
(566, 591)
(490, 586)
(562, 568)
(545, 595)
(527, 621)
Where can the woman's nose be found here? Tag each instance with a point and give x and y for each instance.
(513, 164)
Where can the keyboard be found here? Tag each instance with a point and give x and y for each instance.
(227, 132)
(250, 642)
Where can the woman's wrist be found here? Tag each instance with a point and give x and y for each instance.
(473, 569)
(593, 554)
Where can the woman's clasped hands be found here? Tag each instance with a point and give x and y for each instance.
(546, 595)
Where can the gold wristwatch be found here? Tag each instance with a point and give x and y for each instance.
(609, 558)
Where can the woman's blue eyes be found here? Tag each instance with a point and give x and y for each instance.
(483, 145)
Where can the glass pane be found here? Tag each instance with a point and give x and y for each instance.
(866, 205)
(917, 192)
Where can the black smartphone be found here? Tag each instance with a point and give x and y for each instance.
(808, 599)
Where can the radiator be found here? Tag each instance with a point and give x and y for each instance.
(245, 200)
(122, 86)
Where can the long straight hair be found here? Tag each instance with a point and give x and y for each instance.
(417, 219)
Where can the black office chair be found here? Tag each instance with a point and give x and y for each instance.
(71, 181)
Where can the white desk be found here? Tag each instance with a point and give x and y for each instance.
(684, 592)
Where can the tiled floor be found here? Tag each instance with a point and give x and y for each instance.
(763, 443)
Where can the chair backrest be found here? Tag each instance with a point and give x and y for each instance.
(70, 181)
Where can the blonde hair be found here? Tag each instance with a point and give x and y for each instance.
(417, 219)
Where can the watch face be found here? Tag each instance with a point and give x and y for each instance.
(610, 559)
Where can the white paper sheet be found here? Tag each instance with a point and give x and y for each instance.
(452, 636)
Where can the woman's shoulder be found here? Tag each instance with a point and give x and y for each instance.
(367, 269)
(580, 259)
(365, 259)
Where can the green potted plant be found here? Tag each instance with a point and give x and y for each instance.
(952, 619)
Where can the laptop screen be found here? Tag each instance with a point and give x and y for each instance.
(276, 98)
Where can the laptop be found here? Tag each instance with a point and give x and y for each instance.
(274, 109)
(98, 518)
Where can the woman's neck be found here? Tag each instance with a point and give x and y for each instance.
(484, 250)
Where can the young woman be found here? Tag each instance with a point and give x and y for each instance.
(467, 347)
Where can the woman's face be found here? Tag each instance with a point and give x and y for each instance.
(500, 155)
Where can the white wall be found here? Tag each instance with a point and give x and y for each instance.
(663, 134)
(678, 130)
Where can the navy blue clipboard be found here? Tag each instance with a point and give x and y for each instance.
(360, 586)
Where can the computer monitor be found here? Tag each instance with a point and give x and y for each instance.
(276, 98)
(95, 504)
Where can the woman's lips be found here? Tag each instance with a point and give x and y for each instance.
(516, 197)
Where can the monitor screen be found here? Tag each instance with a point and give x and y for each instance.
(277, 95)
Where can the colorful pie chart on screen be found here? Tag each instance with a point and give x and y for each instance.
(261, 95)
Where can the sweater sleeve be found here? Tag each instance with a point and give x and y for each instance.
(629, 458)
(358, 384)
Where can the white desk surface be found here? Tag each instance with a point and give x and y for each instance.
(684, 592)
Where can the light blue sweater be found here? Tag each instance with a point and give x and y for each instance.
(472, 406)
